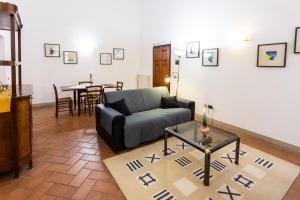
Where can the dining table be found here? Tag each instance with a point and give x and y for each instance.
(78, 89)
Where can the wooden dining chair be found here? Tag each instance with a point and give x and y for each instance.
(62, 103)
(83, 94)
(119, 85)
(94, 96)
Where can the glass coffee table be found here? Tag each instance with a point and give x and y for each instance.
(208, 143)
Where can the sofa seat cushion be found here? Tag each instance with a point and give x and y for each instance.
(149, 125)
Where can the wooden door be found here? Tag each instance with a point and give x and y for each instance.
(161, 65)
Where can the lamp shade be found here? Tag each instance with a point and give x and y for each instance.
(167, 80)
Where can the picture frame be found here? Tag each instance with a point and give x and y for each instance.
(118, 53)
(297, 41)
(272, 55)
(105, 58)
(70, 57)
(193, 49)
(52, 50)
(210, 57)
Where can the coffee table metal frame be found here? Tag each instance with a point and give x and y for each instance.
(206, 151)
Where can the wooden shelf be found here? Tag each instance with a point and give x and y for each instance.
(9, 63)
(16, 125)
(24, 91)
(6, 10)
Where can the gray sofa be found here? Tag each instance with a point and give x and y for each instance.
(148, 119)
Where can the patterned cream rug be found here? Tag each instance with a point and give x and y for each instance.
(145, 173)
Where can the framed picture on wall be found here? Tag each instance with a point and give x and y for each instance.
(105, 59)
(70, 57)
(210, 57)
(52, 50)
(193, 50)
(297, 40)
(271, 55)
(118, 54)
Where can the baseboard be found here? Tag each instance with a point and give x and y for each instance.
(235, 129)
(39, 105)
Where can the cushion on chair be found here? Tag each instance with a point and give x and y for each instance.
(120, 106)
(169, 102)
(149, 125)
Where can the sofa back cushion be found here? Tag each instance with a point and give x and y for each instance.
(138, 100)
(121, 107)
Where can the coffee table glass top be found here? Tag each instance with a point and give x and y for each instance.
(190, 132)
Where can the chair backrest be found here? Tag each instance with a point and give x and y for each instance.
(120, 85)
(87, 83)
(55, 92)
(94, 91)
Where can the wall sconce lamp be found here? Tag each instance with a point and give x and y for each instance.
(248, 38)
(241, 39)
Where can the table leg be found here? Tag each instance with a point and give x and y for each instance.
(78, 102)
(237, 151)
(74, 97)
(166, 143)
(207, 168)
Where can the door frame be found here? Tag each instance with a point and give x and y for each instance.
(153, 63)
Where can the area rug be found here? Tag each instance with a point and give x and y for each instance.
(145, 173)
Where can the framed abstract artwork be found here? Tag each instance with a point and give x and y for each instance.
(193, 50)
(105, 59)
(118, 54)
(297, 40)
(271, 55)
(210, 57)
(52, 50)
(70, 57)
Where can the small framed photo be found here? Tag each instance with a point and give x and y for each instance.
(118, 54)
(210, 57)
(105, 59)
(297, 40)
(271, 55)
(70, 57)
(193, 50)
(52, 50)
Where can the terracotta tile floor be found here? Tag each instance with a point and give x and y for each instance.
(68, 155)
(67, 162)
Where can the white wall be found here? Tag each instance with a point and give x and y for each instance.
(73, 24)
(263, 100)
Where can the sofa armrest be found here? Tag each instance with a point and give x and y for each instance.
(183, 103)
(107, 118)
(110, 126)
